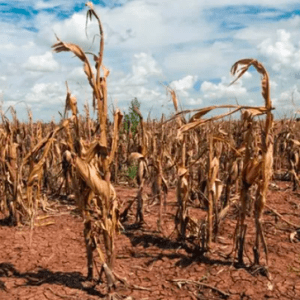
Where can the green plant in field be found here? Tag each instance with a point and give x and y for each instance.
(132, 117)
(132, 171)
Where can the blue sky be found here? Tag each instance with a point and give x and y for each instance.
(147, 43)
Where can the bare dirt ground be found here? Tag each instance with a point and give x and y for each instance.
(49, 261)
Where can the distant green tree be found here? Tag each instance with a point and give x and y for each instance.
(132, 117)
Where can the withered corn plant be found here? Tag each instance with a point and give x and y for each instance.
(293, 156)
(91, 180)
(159, 184)
(214, 189)
(9, 171)
(257, 163)
(142, 172)
(182, 187)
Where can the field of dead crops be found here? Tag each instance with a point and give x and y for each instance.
(198, 205)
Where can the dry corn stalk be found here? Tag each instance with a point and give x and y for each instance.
(182, 193)
(97, 152)
(256, 169)
(294, 161)
(142, 169)
(182, 187)
(159, 185)
(214, 190)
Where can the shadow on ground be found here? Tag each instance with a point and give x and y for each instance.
(72, 280)
(194, 254)
(7, 222)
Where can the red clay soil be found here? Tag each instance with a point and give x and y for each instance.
(49, 261)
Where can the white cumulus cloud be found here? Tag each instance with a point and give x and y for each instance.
(282, 53)
(184, 85)
(46, 93)
(42, 63)
(194, 102)
(222, 89)
(144, 66)
(140, 82)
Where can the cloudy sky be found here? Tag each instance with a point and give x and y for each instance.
(188, 45)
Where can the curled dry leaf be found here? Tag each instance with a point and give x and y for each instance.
(65, 47)
(197, 123)
(181, 171)
(217, 189)
(135, 156)
(251, 171)
(246, 63)
(90, 5)
(91, 177)
(105, 71)
(295, 142)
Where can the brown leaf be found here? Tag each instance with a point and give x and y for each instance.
(117, 123)
(202, 112)
(181, 171)
(135, 156)
(246, 63)
(90, 5)
(252, 171)
(136, 110)
(295, 142)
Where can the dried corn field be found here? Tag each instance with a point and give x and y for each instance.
(211, 211)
